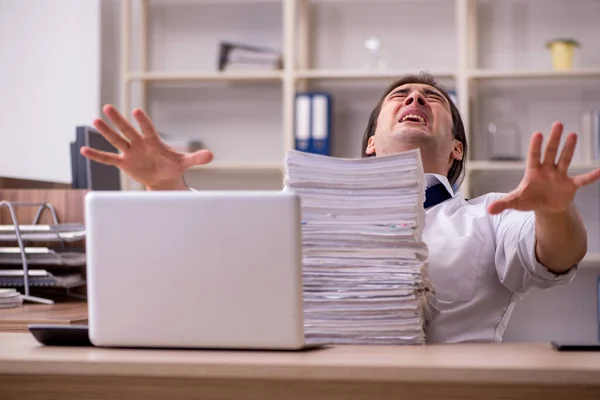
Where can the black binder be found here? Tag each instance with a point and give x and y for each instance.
(88, 174)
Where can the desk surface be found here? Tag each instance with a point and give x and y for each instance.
(16, 319)
(499, 363)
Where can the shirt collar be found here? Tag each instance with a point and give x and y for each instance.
(434, 179)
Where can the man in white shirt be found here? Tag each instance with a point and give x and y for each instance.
(484, 252)
(487, 251)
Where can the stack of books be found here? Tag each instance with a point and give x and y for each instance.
(242, 57)
(364, 261)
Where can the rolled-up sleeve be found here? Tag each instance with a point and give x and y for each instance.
(516, 262)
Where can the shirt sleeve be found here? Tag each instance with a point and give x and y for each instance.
(516, 262)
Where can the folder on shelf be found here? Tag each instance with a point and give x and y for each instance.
(312, 128)
(240, 56)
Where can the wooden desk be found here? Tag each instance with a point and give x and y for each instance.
(17, 319)
(507, 371)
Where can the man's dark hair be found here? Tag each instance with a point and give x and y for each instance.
(456, 172)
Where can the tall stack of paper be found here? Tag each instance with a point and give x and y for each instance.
(363, 255)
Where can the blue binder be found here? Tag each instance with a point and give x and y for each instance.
(313, 125)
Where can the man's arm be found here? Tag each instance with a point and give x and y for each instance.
(561, 239)
(176, 184)
(549, 191)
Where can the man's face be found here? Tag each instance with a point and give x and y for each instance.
(413, 116)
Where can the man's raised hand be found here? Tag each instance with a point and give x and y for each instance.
(144, 156)
(546, 187)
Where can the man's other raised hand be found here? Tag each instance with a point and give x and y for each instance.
(144, 156)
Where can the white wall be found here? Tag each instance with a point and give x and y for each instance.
(49, 83)
(567, 313)
(405, 28)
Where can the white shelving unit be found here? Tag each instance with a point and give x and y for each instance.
(205, 76)
(532, 74)
(520, 166)
(491, 53)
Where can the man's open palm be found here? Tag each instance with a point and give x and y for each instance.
(546, 186)
(144, 156)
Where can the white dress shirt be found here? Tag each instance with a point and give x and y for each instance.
(479, 265)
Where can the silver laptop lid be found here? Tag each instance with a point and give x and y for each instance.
(215, 269)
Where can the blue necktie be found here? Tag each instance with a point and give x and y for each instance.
(436, 194)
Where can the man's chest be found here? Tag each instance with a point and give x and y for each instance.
(461, 249)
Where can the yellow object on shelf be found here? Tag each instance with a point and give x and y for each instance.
(562, 51)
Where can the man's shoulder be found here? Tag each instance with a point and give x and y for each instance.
(482, 202)
(484, 199)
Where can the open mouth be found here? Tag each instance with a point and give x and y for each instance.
(414, 116)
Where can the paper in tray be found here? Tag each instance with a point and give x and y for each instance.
(44, 233)
(59, 257)
(38, 278)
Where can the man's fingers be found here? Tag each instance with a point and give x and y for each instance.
(145, 123)
(118, 141)
(121, 123)
(509, 200)
(535, 150)
(552, 146)
(498, 206)
(566, 155)
(199, 157)
(100, 156)
(587, 178)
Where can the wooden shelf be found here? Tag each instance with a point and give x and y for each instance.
(367, 74)
(530, 74)
(519, 166)
(370, 2)
(278, 75)
(224, 2)
(238, 167)
(206, 76)
(591, 260)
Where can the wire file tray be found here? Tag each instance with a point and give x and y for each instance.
(55, 232)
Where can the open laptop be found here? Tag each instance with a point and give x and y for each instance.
(177, 269)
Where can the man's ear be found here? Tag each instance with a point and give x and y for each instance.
(371, 146)
(457, 151)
